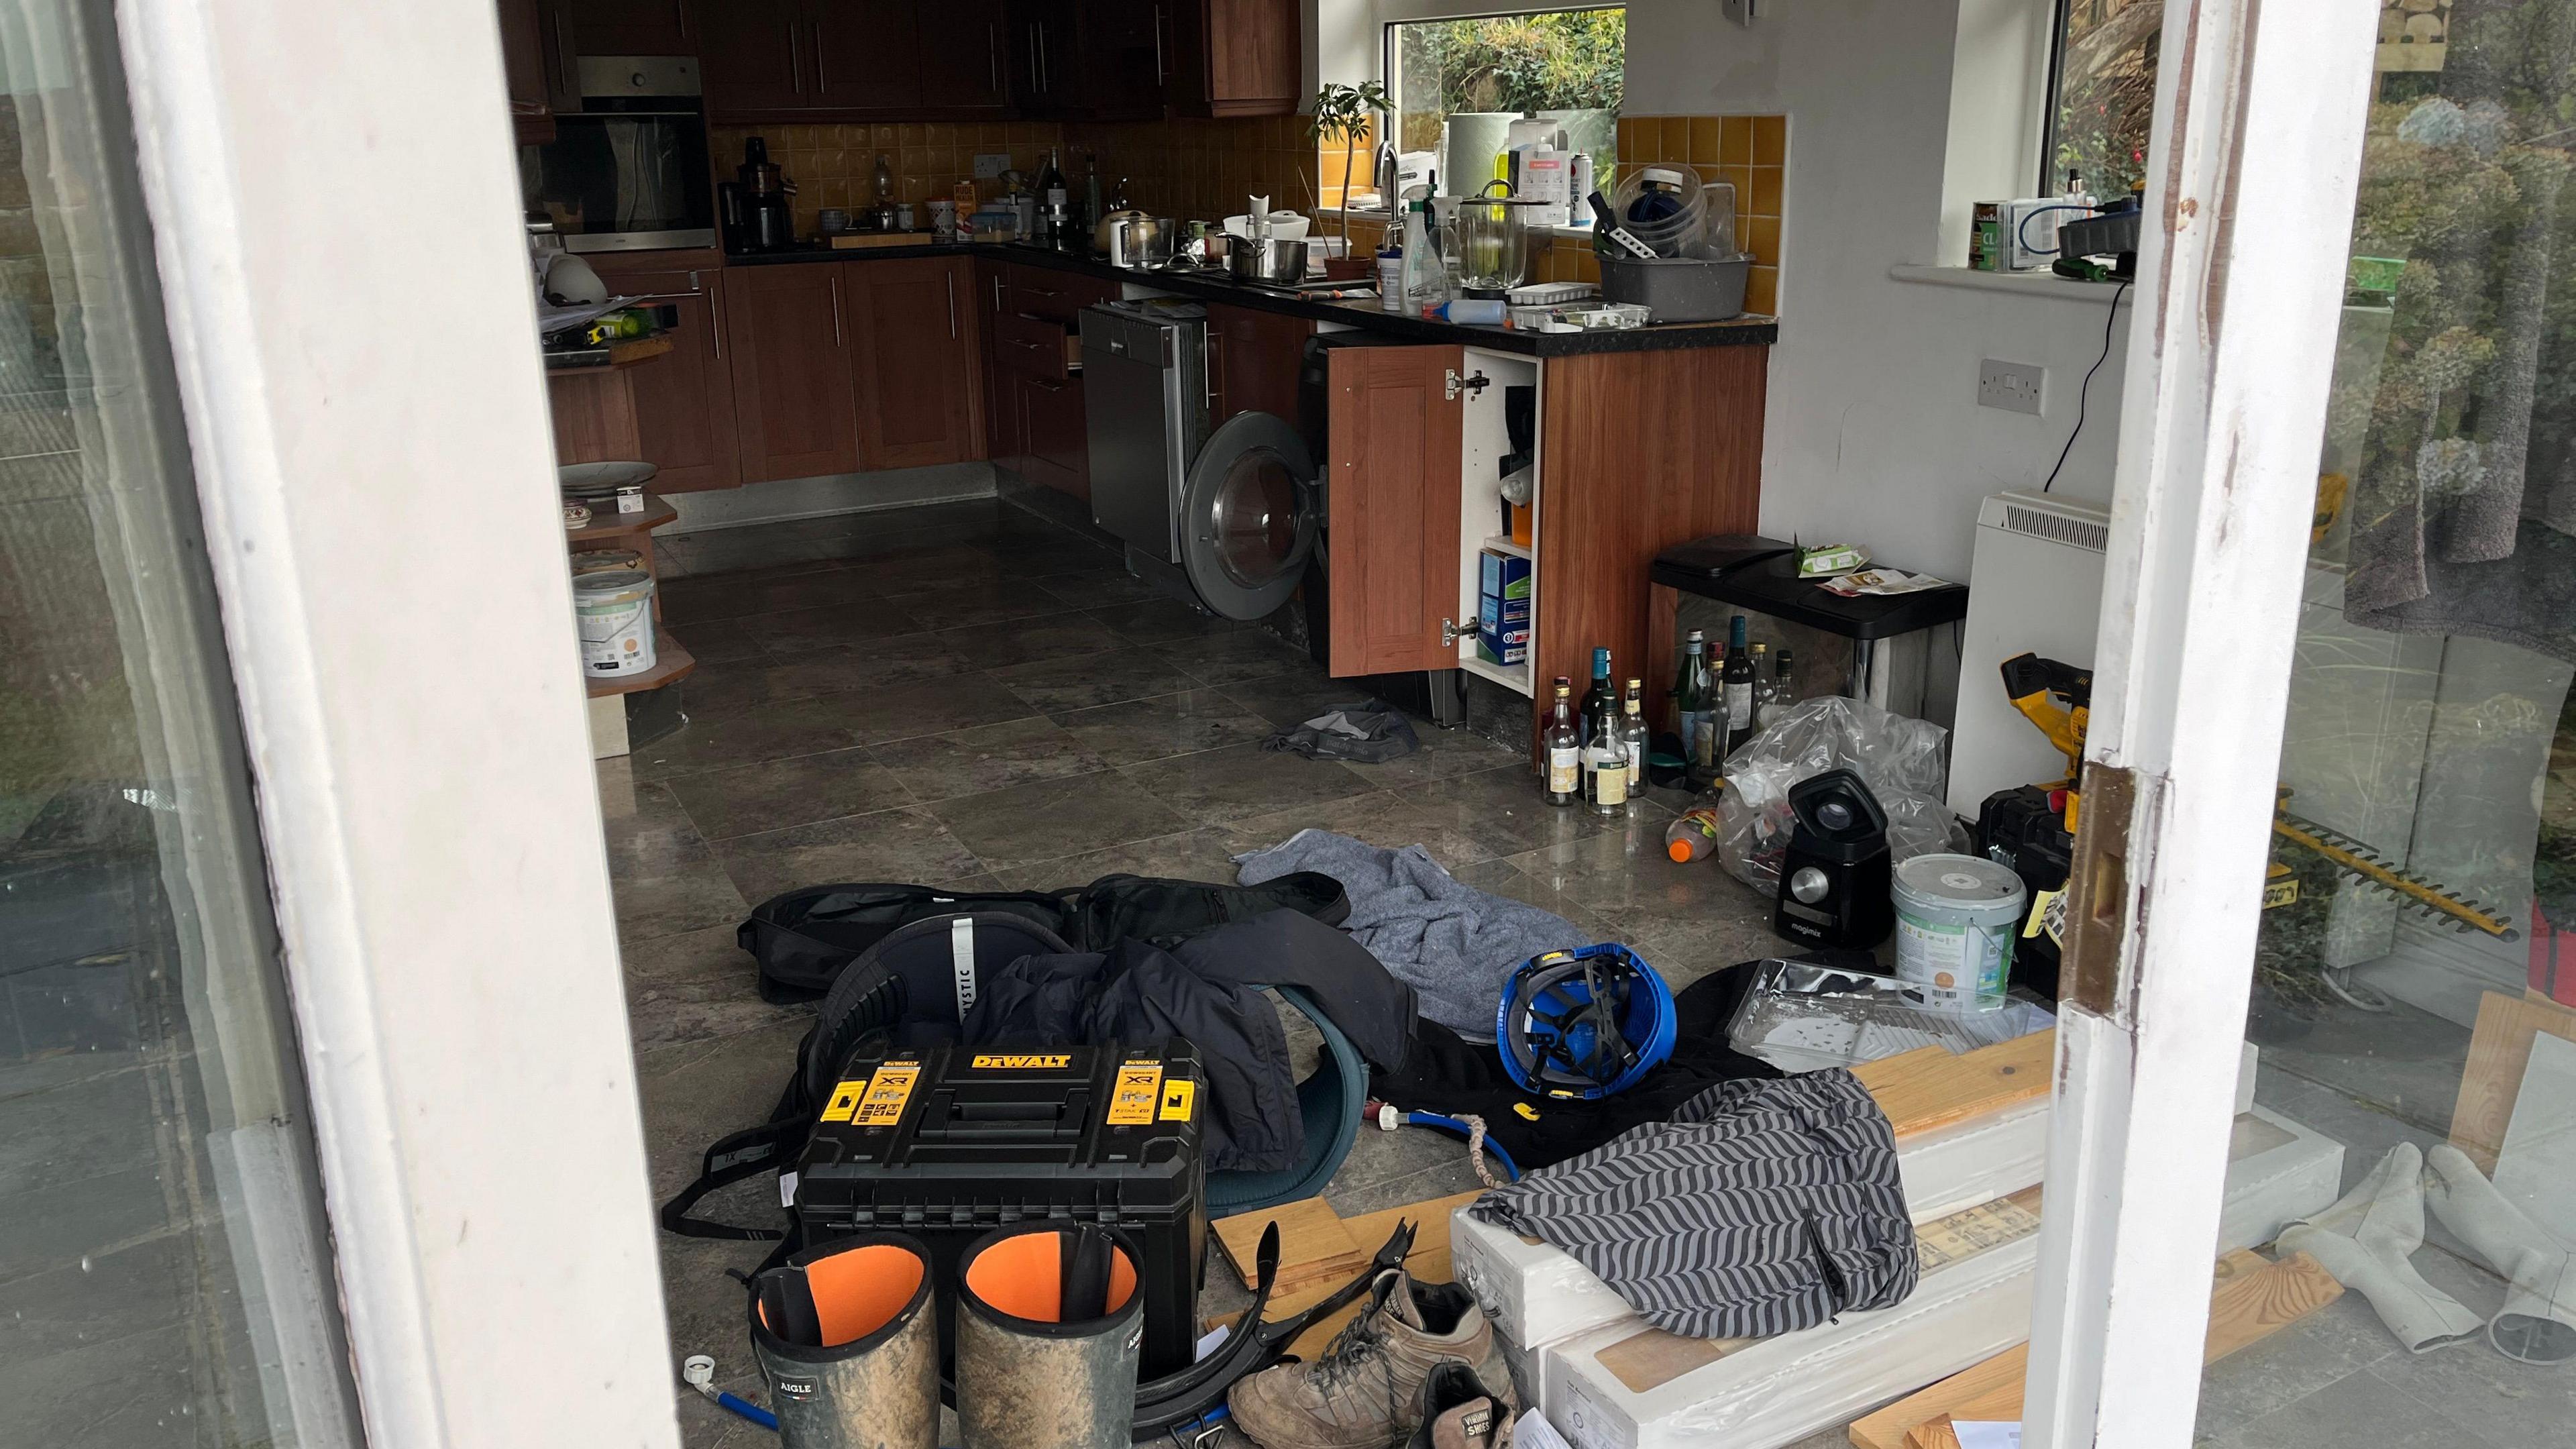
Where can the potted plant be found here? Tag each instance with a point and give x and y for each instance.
(1342, 114)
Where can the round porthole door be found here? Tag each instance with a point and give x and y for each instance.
(1249, 516)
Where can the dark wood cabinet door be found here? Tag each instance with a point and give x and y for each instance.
(1001, 399)
(1392, 501)
(963, 46)
(1043, 62)
(684, 403)
(914, 321)
(539, 67)
(635, 27)
(1057, 442)
(752, 57)
(1253, 357)
(1233, 57)
(1122, 58)
(796, 410)
(864, 55)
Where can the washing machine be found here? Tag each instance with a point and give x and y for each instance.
(1224, 512)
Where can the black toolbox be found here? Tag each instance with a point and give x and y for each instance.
(950, 1143)
(2024, 830)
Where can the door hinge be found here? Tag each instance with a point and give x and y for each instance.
(2098, 889)
(1449, 627)
(1477, 383)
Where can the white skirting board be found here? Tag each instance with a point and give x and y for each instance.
(1622, 1385)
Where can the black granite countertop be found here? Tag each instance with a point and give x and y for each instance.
(1748, 330)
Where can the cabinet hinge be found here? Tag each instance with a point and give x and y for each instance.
(1477, 383)
(1449, 627)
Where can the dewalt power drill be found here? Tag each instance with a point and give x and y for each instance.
(2059, 699)
(2030, 829)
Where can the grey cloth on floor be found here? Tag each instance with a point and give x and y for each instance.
(1454, 944)
(1761, 1207)
(1369, 733)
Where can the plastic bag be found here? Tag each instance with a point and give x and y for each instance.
(1901, 758)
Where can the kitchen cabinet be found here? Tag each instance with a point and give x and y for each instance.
(1253, 360)
(820, 60)
(684, 402)
(752, 59)
(1232, 57)
(962, 48)
(794, 371)
(1095, 61)
(1392, 508)
(635, 27)
(1039, 430)
(1001, 407)
(1056, 440)
(865, 55)
(539, 66)
(919, 365)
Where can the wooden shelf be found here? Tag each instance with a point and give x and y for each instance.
(671, 662)
(1500, 544)
(612, 529)
(1514, 677)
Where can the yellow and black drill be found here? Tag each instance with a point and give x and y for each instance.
(2059, 699)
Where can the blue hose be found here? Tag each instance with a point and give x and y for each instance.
(749, 1410)
(1511, 1169)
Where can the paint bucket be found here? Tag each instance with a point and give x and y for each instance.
(607, 560)
(615, 611)
(1956, 919)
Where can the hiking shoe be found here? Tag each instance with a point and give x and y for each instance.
(1365, 1392)
(1458, 1412)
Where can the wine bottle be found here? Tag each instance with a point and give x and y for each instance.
(1632, 734)
(1738, 683)
(1784, 689)
(1605, 768)
(1601, 701)
(1691, 703)
(1563, 748)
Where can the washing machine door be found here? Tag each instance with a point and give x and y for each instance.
(1250, 515)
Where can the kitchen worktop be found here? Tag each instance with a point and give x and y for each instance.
(1748, 330)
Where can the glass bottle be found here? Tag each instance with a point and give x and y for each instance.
(1784, 688)
(1601, 701)
(1738, 686)
(1632, 734)
(1563, 749)
(1605, 767)
(1765, 691)
(1690, 703)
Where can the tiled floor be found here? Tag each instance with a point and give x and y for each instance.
(970, 694)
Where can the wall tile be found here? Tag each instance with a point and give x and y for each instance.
(1768, 184)
(1739, 141)
(1762, 290)
(1770, 140)
(1762, 239)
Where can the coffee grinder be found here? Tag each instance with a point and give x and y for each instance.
(755, 209)
(1836, 881)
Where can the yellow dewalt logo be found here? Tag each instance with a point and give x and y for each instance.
(1021, 1063)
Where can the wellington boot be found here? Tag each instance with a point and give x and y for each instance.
(1049, 1323)
(848, 1336)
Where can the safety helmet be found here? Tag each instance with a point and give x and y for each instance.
(1584, 1023)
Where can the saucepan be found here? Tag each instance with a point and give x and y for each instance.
(1275, 259)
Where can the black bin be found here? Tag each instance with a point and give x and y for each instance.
(948, 1144)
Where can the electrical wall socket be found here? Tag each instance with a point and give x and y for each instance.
(2013, 386)
(990, 164)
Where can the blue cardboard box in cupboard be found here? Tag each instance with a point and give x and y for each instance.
(1502, 607)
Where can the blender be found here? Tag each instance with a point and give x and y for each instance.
(1487, 241)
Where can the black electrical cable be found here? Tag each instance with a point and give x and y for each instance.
(2082, 393)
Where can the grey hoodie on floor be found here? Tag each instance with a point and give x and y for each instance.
(1454, 944)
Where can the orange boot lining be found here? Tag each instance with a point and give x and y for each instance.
(1024, 1277)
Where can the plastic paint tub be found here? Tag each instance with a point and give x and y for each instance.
(615, 611)
(1956, 919)
(605, 560)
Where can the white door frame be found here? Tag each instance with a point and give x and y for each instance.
(336, 216)
(2259, 117)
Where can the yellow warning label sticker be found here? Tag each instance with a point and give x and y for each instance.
(1139, 1089)
(845, 1100)
(888, 1090)
(987, 1063)
(1177, 1099)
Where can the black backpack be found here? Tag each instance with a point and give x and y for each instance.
(804, 939)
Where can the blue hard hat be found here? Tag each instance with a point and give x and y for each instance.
(1584, 1023)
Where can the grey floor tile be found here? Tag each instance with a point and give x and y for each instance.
(1216, 786)
(1502, 811)
(1623, 876)
(1441, 755)
(718, 641)
(1028, 641)
(2482, 1392)
(696, 1091)
(1048, 819)
(2336, 1341)
(913, 568)
(748, 799)
(1378, 817)
(1203, 854)
(774, 731)
(744, 595)
(2357, 1409)
(931, 707)
(891, 845)
(56, 1224)
(854, 623)
(984, 757)
(665, 875)
(1503, 878)
(1244, 654)
(1160, 621)
(125, 1393)
(1294, 696)
(696, 986)
(100, 1297)
(1182, 723)
(1096, 587)
(876, 663)
(961, 602)
(74, 1128)
(1083, 681)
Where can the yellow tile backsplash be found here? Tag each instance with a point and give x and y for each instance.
(1750, 151)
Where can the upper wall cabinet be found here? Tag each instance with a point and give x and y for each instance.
(538, 65)
(836, 59)
(1096, 60)
(635, 27)
(1231, 57)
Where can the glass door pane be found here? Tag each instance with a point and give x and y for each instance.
(165, 1276)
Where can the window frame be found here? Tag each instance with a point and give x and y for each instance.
(1392, 13)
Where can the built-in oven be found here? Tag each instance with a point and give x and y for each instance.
(629, 170)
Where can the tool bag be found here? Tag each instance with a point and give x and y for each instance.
(805, 938)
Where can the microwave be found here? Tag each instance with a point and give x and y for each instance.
(629, 170)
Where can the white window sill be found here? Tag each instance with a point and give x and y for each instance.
(2038, 282)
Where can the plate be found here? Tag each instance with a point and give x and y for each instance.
(601, 480)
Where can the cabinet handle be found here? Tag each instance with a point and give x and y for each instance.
(821, 86)
(997, 291)
(837, 339)
(951, 279)
(1215, 371)
(1044, 83)
(1040, 382)
(681, 9)
(1037, 77)
(567, 66)
(795, 62)
(715, 327)
(993, 54)
(1158, 45)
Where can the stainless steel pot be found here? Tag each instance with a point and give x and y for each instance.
(1133, 239)
(1270, 260)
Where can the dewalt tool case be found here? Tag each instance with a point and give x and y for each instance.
(950, 1143)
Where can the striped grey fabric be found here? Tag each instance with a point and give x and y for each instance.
(1761, 1207)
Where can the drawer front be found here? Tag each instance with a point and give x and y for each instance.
(1030, 347)
(1050, 296)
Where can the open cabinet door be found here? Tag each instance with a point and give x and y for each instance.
(1391, 509)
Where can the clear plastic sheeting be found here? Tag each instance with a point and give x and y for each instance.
(1904, 761)
(1802, 1017)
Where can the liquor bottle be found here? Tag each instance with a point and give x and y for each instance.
(1563, 748)
(1632, 733)
(1055, 213)
(1091, 212)
(1738, 681)
(1690, 702)
(1605, 767)
(1767, 701)
(1784, 688)
(1601, 701)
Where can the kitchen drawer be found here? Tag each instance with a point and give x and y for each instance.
(1030, 347)
(1051, 296)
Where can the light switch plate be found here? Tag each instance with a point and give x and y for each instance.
(2013, 386)
(990, 164)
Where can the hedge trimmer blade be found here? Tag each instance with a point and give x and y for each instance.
(2408, 887)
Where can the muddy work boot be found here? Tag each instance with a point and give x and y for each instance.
(1459, 1412)
(1365, 1392)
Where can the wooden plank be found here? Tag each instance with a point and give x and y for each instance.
(1428, 1263)
(2251, 1298)
(671, 663)
(1430, 1233)
(1929, 1088)
(2499, 1053)
(1314, 1245)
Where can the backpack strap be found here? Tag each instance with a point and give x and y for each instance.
(735, 1157)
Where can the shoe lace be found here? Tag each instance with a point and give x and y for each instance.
(1361, 1342)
